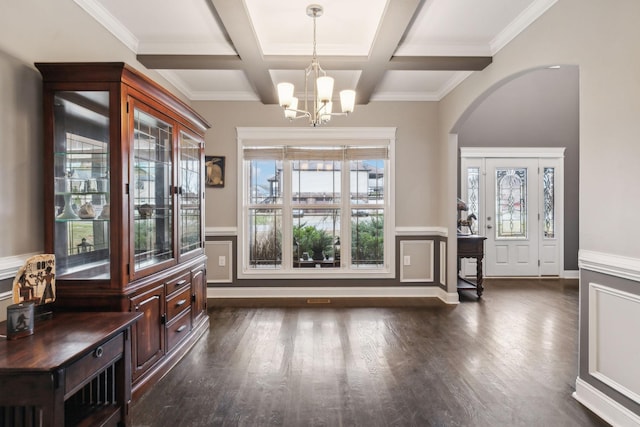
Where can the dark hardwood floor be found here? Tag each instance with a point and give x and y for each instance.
(509, 359)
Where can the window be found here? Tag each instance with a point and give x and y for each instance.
(316, 207)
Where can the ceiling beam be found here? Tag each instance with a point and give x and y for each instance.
(443, 63)
(395, 21)
(238, 26)
(191, 62)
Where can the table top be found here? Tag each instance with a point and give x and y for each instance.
(470, 237)
(60, 340)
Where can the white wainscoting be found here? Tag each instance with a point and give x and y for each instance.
(420, 256)
(614, 322)
(613, 319)
(219, 261)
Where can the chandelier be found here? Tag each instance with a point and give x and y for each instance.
(318, 110)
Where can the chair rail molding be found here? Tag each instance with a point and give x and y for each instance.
(220, 231)
(9, 265)
(613, 265)
(422, 231)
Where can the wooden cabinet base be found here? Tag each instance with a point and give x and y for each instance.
(171, 359)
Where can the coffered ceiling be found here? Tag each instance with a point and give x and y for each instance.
(400, 50)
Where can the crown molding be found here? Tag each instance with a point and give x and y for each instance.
(108, 21)
(518, 25)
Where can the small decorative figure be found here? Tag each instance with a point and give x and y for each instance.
(467, 223)
(84, 246)
(145, 211)
(87, 211)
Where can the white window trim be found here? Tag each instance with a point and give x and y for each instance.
(277, 136)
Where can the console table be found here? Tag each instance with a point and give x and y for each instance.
(471, 246)
(75, 369)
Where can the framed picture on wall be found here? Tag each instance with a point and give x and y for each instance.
(214, 169)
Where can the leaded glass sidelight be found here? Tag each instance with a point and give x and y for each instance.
(511, 203)
(473, 191)
(548, 182)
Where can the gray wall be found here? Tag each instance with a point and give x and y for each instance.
(536, 109)
(21, 224)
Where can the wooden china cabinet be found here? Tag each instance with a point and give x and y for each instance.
(123, 206)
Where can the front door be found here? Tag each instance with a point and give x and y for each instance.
(518, 204)
(512, 217)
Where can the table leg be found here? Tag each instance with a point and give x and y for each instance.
(479, 279)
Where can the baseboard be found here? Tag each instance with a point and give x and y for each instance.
(328, 292)
(571, 274)
(603, 406)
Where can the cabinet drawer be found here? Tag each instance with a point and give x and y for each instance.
(179, 329)
(93, 363)
(177, 303)
(178, 282)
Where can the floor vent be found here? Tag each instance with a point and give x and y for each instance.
(318, 301)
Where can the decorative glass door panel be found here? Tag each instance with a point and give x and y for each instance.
(151, 184)
(511, 203)
(190, 191)
(81, 184)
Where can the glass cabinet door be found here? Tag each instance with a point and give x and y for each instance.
(190, 191)
(150, 190)
(81, 184)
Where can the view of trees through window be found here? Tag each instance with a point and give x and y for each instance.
(297, 216)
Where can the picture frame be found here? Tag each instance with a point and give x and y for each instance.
(214, 171)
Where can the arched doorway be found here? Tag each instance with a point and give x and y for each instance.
(534, 108)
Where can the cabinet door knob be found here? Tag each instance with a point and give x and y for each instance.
(98, 352)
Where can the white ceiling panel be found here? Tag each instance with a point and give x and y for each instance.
(402, 85)
(215, 85)
(170, 27)
(345, 28)
(461, 27)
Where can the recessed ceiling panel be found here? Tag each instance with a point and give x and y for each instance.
(282, 27)
(170, 27)
(460, 27)
(403, 85)
(215, 85)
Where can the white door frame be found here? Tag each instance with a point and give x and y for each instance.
(548, 156)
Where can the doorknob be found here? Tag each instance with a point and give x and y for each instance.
(489, 226)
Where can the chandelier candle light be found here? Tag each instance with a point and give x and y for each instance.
(321, 104)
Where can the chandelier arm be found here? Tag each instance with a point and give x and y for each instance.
(302, 113)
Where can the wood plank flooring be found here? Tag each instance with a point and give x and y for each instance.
(509, 359)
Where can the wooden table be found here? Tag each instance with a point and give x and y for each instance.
(471, 246)
(75, 369)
